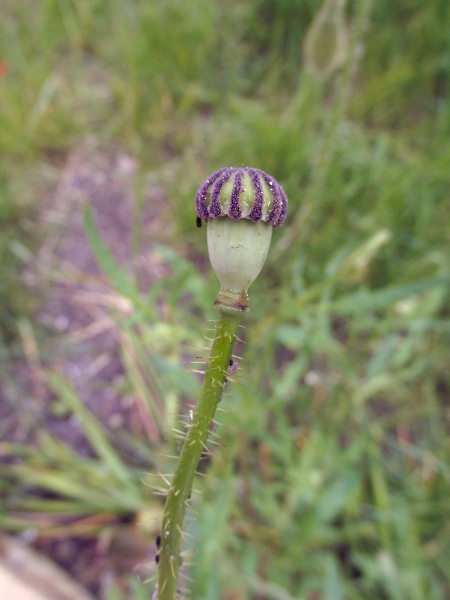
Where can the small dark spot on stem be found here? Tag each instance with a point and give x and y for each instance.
(199, 222)
(158, 541)
(157, 559)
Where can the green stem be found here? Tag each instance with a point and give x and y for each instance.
(194, 445)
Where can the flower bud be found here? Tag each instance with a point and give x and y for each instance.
(325, 48)
(241, 206)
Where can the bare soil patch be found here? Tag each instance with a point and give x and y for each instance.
(80, 335)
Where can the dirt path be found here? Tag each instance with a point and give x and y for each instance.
(82, 337)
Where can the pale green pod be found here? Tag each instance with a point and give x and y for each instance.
(237, 251)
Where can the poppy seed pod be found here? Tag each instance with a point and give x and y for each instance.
(241, 206)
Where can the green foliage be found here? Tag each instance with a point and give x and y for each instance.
(16, 214)
(334, 479)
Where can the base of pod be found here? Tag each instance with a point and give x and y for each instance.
(231, 302)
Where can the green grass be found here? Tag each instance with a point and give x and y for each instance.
(334, 479)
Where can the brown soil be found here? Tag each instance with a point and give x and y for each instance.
(77, 335)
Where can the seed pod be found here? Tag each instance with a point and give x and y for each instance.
(325, 48)
(241, 206)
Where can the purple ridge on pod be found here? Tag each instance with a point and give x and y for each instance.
(215, 208)
(212, 202)
(235, 209)
(284, 205)
(200, 198)
(256, 212)
(277, 206)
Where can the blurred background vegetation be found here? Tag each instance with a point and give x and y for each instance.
(333, 481)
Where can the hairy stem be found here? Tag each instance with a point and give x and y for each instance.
(194, 445)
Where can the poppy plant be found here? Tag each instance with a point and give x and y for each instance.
(240, 206)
